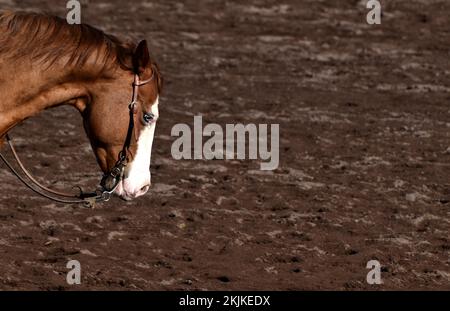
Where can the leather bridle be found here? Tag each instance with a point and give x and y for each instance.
(110, 181)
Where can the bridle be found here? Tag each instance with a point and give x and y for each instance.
(109, 182)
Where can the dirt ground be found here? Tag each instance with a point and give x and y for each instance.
(364, 114)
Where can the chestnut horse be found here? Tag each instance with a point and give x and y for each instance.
(45, 62)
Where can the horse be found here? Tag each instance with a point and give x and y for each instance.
(45, 63)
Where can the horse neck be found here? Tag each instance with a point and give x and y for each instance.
(25, 94)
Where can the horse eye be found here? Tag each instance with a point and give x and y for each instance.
(148, 117)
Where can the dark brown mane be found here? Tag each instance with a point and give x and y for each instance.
(47, 39)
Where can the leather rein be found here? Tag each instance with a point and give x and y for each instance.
(110, 180)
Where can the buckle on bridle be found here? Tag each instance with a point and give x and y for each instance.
(111, 181)
(132, 107)
(115, 172)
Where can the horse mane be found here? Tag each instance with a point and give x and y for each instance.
(48, 40)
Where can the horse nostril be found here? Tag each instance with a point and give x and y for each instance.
(145, 188)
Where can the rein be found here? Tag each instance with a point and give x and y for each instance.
(109, 182)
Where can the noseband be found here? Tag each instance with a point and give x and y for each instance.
(110, 181)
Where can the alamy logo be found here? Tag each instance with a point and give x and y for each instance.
(374, 275)
(74, 14)
(222, 145)
(74, 275)
(374, 16)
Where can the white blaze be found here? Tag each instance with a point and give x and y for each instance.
(137, 177)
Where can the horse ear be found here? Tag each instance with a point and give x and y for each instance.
(141, 57)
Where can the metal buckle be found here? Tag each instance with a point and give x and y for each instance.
(90, 202)
(115, 172)
(106, 196)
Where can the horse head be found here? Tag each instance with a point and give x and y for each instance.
(120, 122)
